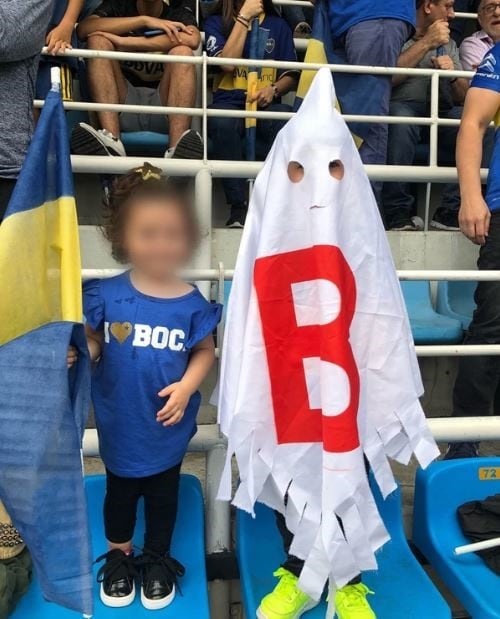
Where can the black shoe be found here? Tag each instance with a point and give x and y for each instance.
(117, 579)
(189, 146)
(159, 575)
(462, 450)
(414, 224)
(237, 216)
(85, 140)
(445, 219)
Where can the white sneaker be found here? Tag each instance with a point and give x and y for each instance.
(85, 140)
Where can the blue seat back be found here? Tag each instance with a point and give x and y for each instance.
(439, 491)
(428, 327)
(456, 300)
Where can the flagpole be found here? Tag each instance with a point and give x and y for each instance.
(55, 79)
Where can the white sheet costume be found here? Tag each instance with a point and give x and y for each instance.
(319, 366)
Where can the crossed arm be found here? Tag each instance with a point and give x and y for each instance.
(117, 30)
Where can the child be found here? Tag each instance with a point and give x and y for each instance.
(152, 336)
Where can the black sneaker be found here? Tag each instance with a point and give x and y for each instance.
(189, 146)
(414, 224)
(462, 450)
(85, 140)
(117, 578)
(445, 219)
(159, 575)
(237, 216)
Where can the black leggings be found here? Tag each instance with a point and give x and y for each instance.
(161, 497)
(6, 188)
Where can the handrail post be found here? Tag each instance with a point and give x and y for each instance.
(203, 201)
(218, 529)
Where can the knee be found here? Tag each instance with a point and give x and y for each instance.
(181, 50)
(98, 41)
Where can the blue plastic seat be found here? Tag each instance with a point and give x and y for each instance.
(147, 143)
(188, 548)
(427, 326)
(456, 300)
(439, 490)
(402, 588)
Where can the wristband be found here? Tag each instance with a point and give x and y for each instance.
(240, 21)
(245, 19)
(277, 93)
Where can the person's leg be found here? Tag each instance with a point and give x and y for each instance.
(377, 43)
(117, 574)
(161, 498)
(227, 136)
(6, 188)
(106, 83)
(159, 571)
(478, 377)
(120, 507)
(397, 200)
(178, 89)
(292, 564)
(267, 130)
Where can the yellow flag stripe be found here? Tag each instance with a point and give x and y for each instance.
(42, 285)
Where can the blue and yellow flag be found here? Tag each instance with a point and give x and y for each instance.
(43, 406)
(258, 41)
(356, 94)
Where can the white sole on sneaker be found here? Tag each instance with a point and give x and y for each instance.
(115, 602)
(437, 225)
(309, 606)
(157, 604)
(85, 140)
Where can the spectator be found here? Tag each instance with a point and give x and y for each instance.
(60, 37)
(475, 47)
(125, 25)
(372, 32)
(477, 378)
(431, 47)
(227, 36)
(23, 26)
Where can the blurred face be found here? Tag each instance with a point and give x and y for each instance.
(156, 239)
(489, 18)
(442, 9)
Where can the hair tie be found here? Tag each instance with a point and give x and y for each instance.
(148, 172)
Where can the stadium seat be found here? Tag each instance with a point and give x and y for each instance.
(456, 300)
(145, 143)
(402, 588)
(188, 547)
(439, 490)
(427, 326)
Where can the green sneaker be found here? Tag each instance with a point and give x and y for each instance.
(351, 602)
(287, 601)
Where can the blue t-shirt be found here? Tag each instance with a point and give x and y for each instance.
(147, 343)
(231, 88)
(488, 76)
(347, 13)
